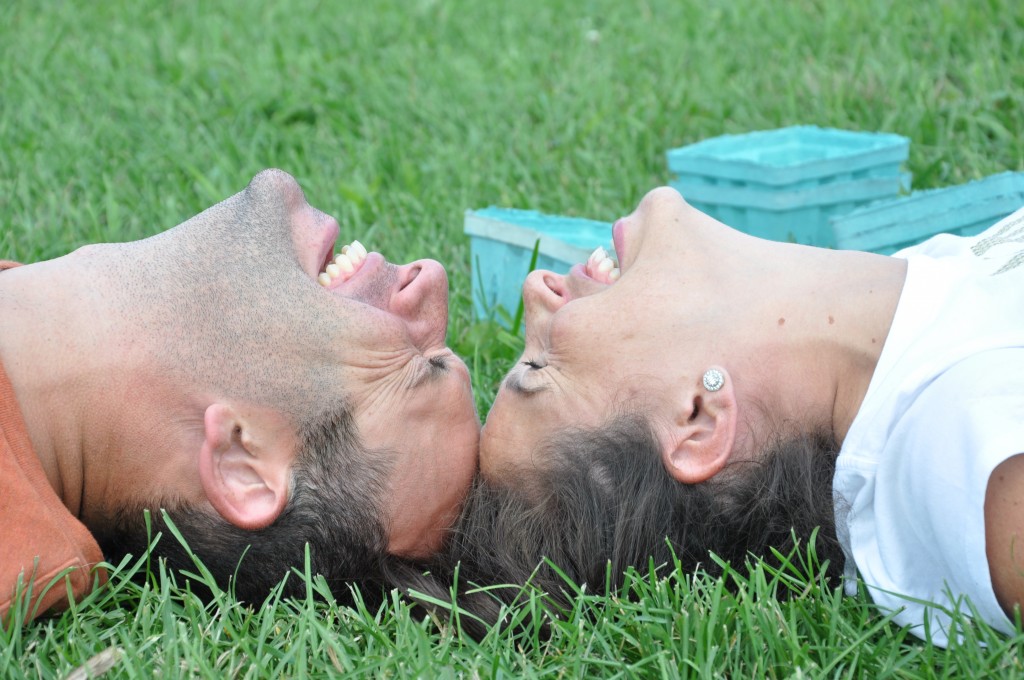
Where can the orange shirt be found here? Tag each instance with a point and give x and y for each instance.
(39, 538)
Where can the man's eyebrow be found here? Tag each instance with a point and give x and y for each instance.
(514, 382)
(435, 370)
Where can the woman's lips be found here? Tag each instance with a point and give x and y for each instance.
(580, 283)
(619, 240)
(579, 271)
(602, 267)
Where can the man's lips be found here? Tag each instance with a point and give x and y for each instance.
(316, 239)
(369, 269)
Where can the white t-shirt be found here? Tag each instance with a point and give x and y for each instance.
(945, 406)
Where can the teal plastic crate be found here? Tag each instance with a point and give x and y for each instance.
(965, 209)
(792, 158)
(501, 246)
(786, 184)
(796, 216)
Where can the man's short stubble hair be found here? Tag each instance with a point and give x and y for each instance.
(334, 505)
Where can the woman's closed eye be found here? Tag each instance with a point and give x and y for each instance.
(517, 381)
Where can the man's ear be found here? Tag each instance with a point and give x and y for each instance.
(244, 474)
(702, 433)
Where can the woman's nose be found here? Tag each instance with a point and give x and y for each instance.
(544, 293)
(546, 289)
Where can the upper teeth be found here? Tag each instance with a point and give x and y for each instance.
(347, 263)
(601, 267)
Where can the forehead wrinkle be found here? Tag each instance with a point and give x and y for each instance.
(391, 388)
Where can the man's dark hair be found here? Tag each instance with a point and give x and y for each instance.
(334, 505)
(603, 496)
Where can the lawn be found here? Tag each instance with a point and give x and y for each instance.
(121, 119)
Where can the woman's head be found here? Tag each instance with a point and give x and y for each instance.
(606, 446)
(600, 341)
(796, 327)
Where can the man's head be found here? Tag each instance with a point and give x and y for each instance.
(262, 382)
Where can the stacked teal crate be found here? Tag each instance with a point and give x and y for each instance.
(965, 209)
(785, 184)
(501, 245)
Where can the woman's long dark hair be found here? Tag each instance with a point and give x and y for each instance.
(604, 497)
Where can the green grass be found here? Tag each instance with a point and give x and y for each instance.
(120, 119)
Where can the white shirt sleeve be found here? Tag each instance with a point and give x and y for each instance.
(928, 501)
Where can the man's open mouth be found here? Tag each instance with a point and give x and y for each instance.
(344, 266)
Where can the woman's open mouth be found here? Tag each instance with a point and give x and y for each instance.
(602, 267)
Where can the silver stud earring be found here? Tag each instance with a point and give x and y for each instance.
(713, 380)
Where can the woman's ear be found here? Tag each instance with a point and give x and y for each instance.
(243, 467)
(703, 430)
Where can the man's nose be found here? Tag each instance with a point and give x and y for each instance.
(544, 293)
(421, 300)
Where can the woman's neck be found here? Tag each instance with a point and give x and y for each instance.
(814, 328)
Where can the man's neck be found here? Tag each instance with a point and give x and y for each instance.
(47, 353)
(79, 371)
